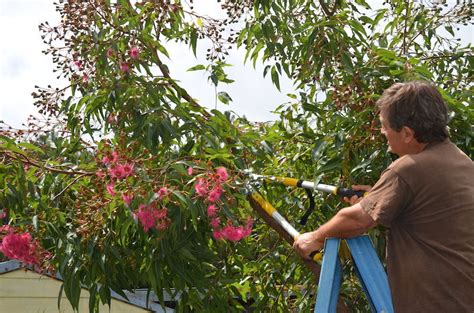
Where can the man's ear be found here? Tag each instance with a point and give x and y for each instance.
(408, 134)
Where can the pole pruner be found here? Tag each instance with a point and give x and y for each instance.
(271, 215)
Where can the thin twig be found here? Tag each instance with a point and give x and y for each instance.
(69, 185)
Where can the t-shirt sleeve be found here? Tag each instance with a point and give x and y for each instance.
(387, 199)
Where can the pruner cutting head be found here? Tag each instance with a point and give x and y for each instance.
(247, 172)
(253, 181)
(253, 177)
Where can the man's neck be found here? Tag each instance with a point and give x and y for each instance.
(414, 148)
(418, 147)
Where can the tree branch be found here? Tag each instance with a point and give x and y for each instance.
(183, 93)
(69, 185)
(326, 9)
(405, 28)
(25, 159)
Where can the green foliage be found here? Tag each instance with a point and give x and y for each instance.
(340, 58)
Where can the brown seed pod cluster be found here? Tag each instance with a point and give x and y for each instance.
(220, 31)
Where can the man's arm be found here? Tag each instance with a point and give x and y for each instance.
(348, 222)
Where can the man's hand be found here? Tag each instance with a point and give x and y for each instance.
(355, 199)
(308, 242)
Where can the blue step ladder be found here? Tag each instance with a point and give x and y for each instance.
(368, 268)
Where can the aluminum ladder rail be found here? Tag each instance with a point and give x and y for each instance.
(369, 270)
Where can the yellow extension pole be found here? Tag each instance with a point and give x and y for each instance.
(277, 217)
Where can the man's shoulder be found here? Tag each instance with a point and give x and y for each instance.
(409, 163)
(434, 156)
(404, 163)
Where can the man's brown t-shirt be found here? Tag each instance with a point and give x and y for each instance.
(427, 202)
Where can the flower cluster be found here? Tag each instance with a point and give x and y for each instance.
(124, 64)
(151, 217)
(120, 59)
(116, 171)
(83, 73)
(211, 186)
(121, 171)
(233, 233)
(211, 189)
(21, 246)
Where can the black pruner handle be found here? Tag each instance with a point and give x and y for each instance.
(347, 192)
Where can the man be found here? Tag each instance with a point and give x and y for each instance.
(426, 200)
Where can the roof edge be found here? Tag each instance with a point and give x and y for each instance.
(9, 266)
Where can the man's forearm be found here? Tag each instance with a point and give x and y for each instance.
(348, 222)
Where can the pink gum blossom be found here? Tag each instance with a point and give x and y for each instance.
(110, 189)
(127, 199)
(215, 222)
(105, 160)
(134, 53)
(78, 64)
(212, 210)
(112, 119)
(115, 157)
(217, 234)
(162, 192)
(222, 173)
(201, 187)
(235, 233)
(215, 194)
(20, 247)
(124, 67)
(150, 217)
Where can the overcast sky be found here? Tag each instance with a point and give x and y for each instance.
(22, 65)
